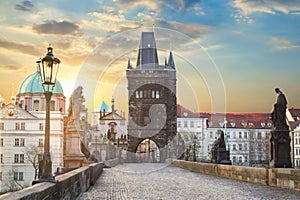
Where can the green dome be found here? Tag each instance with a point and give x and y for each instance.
(33, 85)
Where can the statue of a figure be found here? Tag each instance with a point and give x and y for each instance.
(278, 116)
(76, 102)
(220, 142)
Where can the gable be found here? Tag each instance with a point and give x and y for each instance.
(12, 111)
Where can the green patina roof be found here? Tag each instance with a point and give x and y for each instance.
(33, 85)
(102, 106)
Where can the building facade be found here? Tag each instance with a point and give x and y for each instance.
(111, 126)
(246, 135)
(22, 130)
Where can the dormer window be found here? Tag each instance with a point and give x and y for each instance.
(209, 124)
(269, 125)
(232, 124)
(263, 124)
(244, 124)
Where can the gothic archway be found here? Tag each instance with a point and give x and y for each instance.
(147, 151)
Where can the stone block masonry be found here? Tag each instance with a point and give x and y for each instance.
(277, 177)
(68, 186)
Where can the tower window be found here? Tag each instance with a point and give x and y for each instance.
(41, 127)
(153, 94)
(22, 126)
(52, 105)
(36, 105)
(141, 94)
(157, 94)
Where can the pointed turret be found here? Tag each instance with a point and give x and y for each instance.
(166, 62)
(129, 64)
(171, 60)
(112, 105)
(147, 56)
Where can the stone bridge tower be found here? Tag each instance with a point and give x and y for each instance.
(152, 99)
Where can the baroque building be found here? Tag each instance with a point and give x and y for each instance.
(22, 130)
(151, 102)
(109, 125)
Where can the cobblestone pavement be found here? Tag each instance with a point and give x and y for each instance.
(161, 181)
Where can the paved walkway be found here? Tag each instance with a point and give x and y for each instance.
(161, 181)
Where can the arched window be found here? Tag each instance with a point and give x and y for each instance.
(137, 94)
(36, 105)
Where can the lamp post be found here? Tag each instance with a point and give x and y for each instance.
(48, 70)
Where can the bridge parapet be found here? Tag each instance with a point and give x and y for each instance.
(68, 186)
(277, 177)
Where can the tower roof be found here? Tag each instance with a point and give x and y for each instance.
(102, 106)
(147, 56)
(33, 85)
(171, 60)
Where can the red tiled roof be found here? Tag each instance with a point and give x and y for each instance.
(295, 112)
(294, 124)
(234, 120)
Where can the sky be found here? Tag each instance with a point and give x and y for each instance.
(230, 55)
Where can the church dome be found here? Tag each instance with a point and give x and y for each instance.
(33, 85)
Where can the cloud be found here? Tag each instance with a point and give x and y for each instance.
(245, 8)
(11, 68)
(24, 6)
(58, 28)
(123, 4)
(283, 44)
(24, 48)
(108, 22)
(161, 5)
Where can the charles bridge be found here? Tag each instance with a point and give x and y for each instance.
(173, 180)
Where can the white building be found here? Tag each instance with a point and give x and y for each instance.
(22, 125)
(294, 123)
(191, 128)
(109, 124)
(246, 134)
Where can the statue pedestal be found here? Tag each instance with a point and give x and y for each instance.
(220, 156)
(280, 149)
(74, 158)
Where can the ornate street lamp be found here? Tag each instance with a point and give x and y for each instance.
(48, 70)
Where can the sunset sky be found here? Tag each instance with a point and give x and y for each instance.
(233, 52)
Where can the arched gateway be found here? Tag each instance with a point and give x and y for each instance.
(152, 100)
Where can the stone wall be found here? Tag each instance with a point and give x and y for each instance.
(285, 178)
(68, 186)
(278, 177)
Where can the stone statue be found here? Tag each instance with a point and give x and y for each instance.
(280, 141)
(220, 142)
(218, 153)
(278, 116)
(76, 102)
